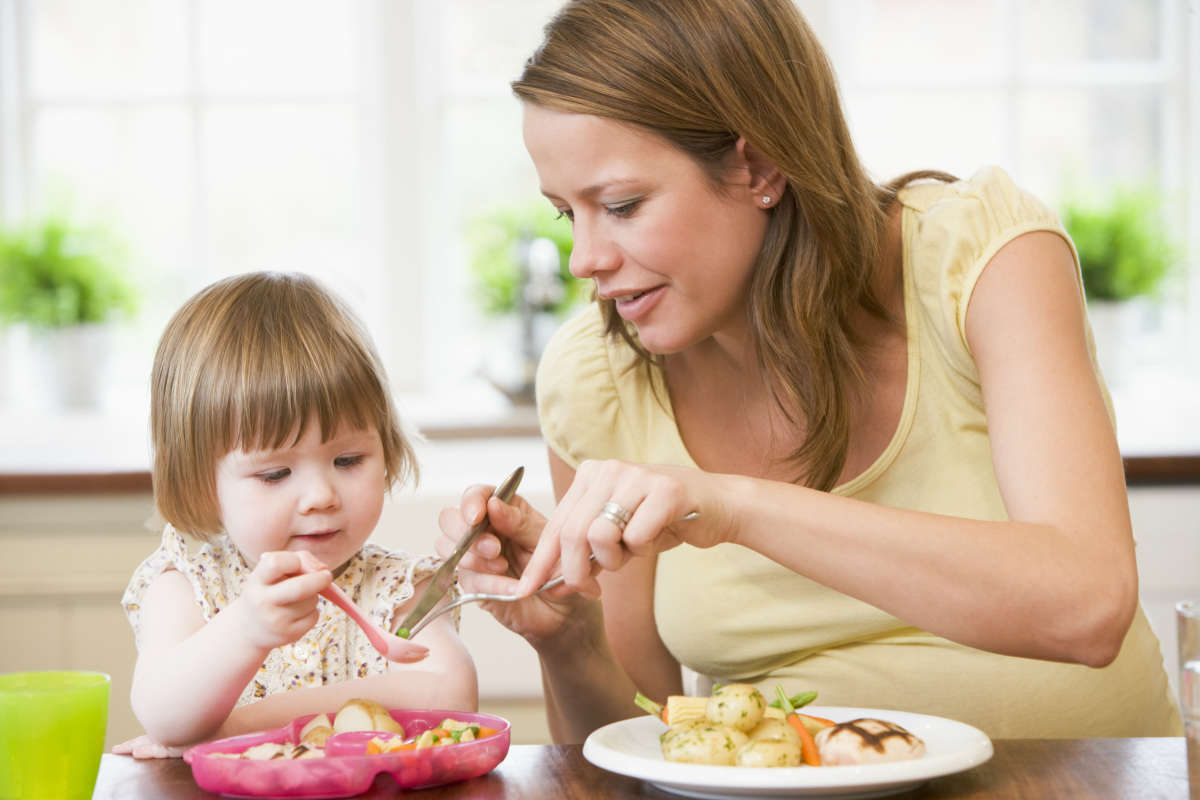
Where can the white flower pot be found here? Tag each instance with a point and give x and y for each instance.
(69, 365)
(1116, 329)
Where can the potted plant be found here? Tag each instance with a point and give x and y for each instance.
(62, 284)
(519, 266)
(1125, 254)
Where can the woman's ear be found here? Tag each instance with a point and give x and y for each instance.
(766, 183)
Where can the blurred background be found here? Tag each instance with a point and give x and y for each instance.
(150, 147)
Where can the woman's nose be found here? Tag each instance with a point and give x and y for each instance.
(592, 252)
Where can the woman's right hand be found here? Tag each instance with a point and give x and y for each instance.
(496, 560)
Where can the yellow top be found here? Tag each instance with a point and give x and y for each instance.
(733, 614)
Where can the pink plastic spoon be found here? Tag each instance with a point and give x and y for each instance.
(389, 645)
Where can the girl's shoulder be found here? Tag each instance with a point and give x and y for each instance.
(214, 569)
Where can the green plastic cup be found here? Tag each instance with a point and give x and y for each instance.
(51, 734)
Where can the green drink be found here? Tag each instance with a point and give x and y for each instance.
(51, 734)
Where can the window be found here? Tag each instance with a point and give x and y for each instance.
(357, 140)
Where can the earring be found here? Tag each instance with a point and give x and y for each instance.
(766, 199)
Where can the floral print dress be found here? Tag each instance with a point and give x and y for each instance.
(377, 579)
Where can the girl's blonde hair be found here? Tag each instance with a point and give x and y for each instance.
(700, 74)
(246, 363)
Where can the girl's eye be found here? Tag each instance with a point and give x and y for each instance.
(566, 212)
(624, 209)
(275, 476)
(348, 461)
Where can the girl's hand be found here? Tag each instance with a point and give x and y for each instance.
(279, 601)
(144, 747)
(657, 498)
(497, 558)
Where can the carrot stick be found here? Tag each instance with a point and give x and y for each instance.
(808, 746)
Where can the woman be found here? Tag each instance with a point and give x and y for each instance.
(882, 402)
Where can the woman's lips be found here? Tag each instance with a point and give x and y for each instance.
(634, 308)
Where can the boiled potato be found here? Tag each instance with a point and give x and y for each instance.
(768, 753)
(736, 705)
(316, 731)
(775, 729)
(703, 743)
(359, 714)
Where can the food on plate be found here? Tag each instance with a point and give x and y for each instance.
(269, 751)
(766, 752)
(702, 743)
(735, 726)
(362, 715)
(868, 741)
(358, 714)
(316, 731)
(736, 705)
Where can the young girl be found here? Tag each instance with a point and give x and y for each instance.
(275, 442)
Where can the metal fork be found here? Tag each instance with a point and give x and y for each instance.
(479, 597)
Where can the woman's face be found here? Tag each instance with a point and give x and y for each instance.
(650, 229)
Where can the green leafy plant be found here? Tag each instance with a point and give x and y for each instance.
(1124, 248)
(54, 274)
(494, 239)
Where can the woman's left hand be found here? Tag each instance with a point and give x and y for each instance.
(654, 501)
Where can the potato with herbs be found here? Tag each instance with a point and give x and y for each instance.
(781, 752)
(736, 705)
(774, 728)
(702, 743)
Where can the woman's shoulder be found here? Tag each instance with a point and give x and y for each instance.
(986, 205)
(951, 232)
(587, 383)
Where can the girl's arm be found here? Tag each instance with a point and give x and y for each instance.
(189, 673)
(1056, 581)
(444, 679)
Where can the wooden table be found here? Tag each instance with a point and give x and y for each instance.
(1021, 769)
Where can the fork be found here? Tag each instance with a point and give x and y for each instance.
(481, 597)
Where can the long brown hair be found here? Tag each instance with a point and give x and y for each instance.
(701, 73)
(247, 362)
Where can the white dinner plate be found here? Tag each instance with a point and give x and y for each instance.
(631, 748)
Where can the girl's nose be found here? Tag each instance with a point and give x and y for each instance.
(320, 494)
(592, 252)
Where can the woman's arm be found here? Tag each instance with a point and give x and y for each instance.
(1057, 581)
(605, 653)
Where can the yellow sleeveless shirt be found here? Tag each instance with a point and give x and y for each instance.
(732, 614)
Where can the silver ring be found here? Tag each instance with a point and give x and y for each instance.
(615, 514)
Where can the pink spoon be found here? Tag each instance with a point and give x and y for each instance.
(390, 646)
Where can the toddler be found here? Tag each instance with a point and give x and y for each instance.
(274, 438)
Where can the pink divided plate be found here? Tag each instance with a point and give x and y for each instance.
(346, 770)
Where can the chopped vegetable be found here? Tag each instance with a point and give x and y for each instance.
(650, 707)
(797, 700)
(808, 747)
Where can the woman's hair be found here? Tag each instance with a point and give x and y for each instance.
(247, 363)
(700, 74)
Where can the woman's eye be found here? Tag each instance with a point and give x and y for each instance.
(624, 209)
(275, 476)
(348, 461)
(566, 212)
